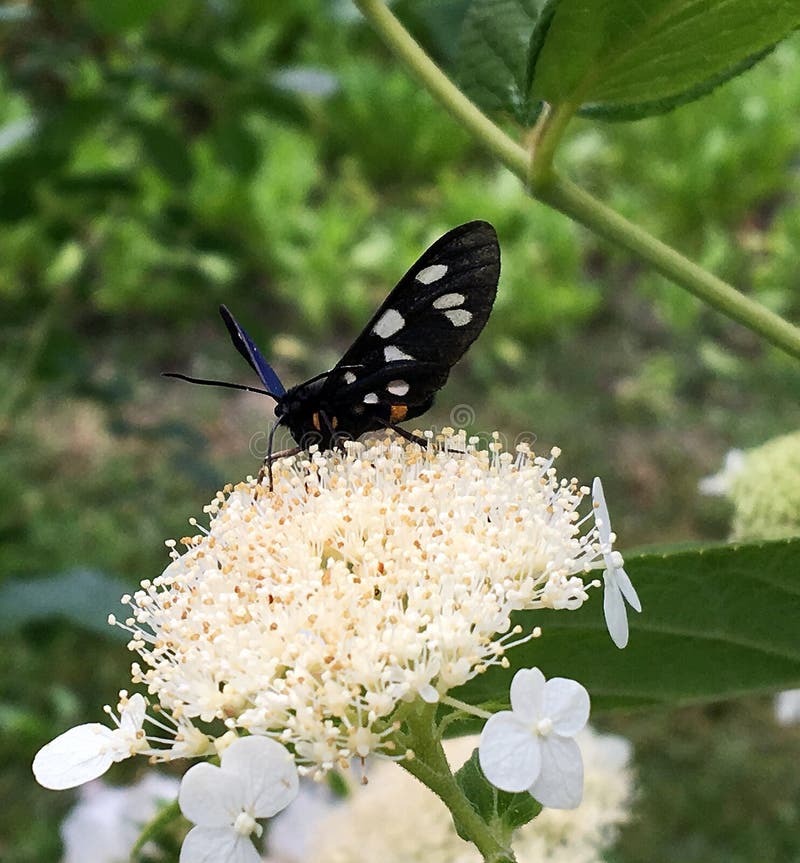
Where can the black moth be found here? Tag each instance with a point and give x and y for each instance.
(393, 370)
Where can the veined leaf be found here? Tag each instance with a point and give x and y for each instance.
(503, 810)
(717, 623)
(629, 58)
(495, 40)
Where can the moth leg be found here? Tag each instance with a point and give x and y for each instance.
(409, 436)
(416, 438)
(266, 467)
(337, 439)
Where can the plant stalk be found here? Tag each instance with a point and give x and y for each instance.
(431, 768)
(547, 186)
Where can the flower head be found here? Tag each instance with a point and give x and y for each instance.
(256, 779)
(87, 751)
(617, 585)
(368, 578)
(763, 484)
(530, 747)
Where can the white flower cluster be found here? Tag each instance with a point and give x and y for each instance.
(384, 574)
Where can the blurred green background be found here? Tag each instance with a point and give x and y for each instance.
(158, 159)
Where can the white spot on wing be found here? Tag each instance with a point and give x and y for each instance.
(371, 399)
(397, 388)
(447, 301)
(458, 317)
(431, 274)
(349, 378)
(389, 323)
(392, 353)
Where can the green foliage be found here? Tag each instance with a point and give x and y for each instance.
(503, 811)
(156, 159)
(493, 59)
(715, 785)
(708, 631)
(616, 59)
(83, 597)
(622, 58)
(395, 130)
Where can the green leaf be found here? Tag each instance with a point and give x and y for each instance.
(495, 40)
(81, 596)
(502, 810)
(626, 58)
(717, 623)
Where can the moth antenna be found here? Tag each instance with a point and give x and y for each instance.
(226, 384)
(270, 440)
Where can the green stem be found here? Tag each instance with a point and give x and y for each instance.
(464, 707)
(431, 768)
(548, 187)
(169, 813)
(573, 201)
(506, 149)
(549, 137)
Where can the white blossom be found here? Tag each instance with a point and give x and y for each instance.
(256, 778)
(617, 585)
(85, 752)
(531, 746)
(368, 578)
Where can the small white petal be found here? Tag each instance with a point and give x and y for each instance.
(210, 796)
(131, 716)
(560, 782)
(526, 694)
(267, 772)
(566, 703)
(428, 694)
(614, 610)
(628, 590)
(217, 845)
(509, 754)
(79, 755)
(601, 516)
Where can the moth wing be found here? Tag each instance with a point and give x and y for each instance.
(247, 348)
(425, 324)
